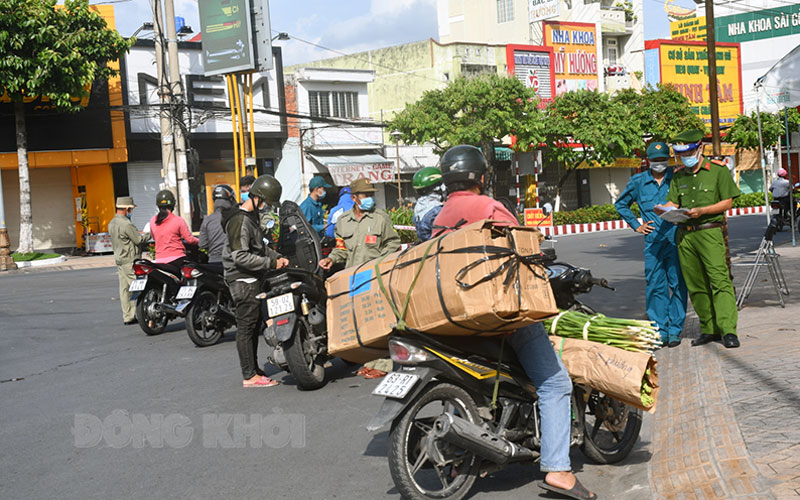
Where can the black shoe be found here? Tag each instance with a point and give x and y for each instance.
(674, 343)
(131, 322)
(730, 341)
(705, 338)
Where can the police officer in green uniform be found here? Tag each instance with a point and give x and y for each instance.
(362, 233)
(126, 241)
(706, 189)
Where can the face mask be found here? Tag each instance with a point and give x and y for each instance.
(367, 204)
(690, 161)
(659, 167)
(322, 195)
(245, 196)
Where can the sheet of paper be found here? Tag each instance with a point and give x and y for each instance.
(672, 214)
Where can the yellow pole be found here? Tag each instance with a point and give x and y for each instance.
(252, 128)
(240, 122)
(233, 127)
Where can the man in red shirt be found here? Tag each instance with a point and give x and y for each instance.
(463, 171)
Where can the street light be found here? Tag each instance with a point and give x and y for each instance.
(280, 36)
(143, 27)
(396, 135)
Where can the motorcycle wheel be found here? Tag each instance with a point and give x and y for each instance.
(203, 329)
(151, 324)
(610, 427)
(306, 368)
(413, 471)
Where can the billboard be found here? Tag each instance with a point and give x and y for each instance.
(574, 55)
(227, 36)
(533, 65)
(539, 10)
(759, 24)
(688, 29)
(684, 64)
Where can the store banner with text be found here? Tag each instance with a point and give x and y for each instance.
(574, 55)
(759, 24)
(376, 172)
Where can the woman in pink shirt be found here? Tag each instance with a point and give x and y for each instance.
(169, 231)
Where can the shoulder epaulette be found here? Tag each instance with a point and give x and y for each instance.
(721, 163)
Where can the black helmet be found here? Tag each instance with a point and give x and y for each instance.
(462, 164)
(267, 188)
(165, 198)
(223, 192)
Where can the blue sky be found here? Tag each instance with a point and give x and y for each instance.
(656, 24)
(344, 25)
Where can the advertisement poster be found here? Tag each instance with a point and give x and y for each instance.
(574, 55)
(660, 14)
(685, 65)
(533, 65)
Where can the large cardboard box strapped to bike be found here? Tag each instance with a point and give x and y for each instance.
(483, 279)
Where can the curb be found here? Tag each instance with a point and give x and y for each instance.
(42, 262)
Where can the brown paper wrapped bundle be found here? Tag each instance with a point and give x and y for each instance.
(630, 377)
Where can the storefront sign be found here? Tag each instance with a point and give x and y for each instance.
(542, 9)
(533, 66)
(685, 65)
(574, 55)
(376, 172)
(688, 29)
(535, 217)
(758, 25)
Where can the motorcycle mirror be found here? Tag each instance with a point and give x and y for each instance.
(547, 208)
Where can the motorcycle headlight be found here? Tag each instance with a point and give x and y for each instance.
(407, 354)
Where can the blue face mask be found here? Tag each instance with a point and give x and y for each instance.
(690, 161)
(322, 195)
(245, 196)
(367, 204)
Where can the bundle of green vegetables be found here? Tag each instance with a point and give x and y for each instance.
(628, 334)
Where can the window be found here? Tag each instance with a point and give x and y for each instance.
(505, 11)
(611, 51)
(335, 104)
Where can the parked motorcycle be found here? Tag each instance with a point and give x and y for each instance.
(446, 432)
(155, 291)
(207, 303)
(294, 303)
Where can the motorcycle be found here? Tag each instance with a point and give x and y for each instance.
(294, 301)
(447, 426)
(782, 214)
(206, 302)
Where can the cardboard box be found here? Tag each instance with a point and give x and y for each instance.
(478, 280)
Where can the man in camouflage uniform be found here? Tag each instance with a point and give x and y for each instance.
(706, 189)
(362, 233)
(126, 241)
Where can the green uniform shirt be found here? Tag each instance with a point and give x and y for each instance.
(359, 241)
(711, 184)
(125, 239)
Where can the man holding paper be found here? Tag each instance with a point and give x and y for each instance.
(706, 189)
(665, 294)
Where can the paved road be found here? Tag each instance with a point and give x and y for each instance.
(94, 409)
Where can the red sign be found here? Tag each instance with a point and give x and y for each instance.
(535, 217)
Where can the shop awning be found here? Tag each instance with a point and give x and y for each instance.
(346, 168)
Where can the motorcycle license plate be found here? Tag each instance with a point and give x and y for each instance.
(186, 292)
(281, 304)
(137, 285)
(396, 385)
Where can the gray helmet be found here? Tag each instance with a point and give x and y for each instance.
(267, 188)
(462, 165)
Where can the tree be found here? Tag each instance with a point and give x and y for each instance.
(662, 112)
(476, 111)
(744, 131)
(57, 52)
(588, 126)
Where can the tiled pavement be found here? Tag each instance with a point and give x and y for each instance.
(739, 438)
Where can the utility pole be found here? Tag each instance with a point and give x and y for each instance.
(6, 261)
(167, 160)
(176, 114)
(713, 98)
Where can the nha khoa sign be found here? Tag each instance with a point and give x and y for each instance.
(533, 66)
(759, 24)
(684, 65)
(344, 174)
(574, 55)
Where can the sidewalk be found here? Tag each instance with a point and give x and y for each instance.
(72, 263)
(740, 438)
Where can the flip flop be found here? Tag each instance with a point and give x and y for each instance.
(260, 382)
(373, 373)
(578, 492)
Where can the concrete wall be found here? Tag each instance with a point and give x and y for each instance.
(606, 184)
(476, 21)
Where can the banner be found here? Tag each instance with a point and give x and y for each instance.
(574, 55)
(758, 25)
(533, 65)
(688, 29)
(343, 175)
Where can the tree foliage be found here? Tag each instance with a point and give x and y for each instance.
(55, 52)
(475, 111)
(661, 111)
(744, 131)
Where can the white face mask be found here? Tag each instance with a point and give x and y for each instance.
(659, 167)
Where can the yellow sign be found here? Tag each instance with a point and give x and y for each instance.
(688, 29)
(574, 55)
(685, 66)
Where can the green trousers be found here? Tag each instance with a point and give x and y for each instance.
(125, 272)
(702, 256)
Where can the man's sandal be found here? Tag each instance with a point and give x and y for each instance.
(578, 492)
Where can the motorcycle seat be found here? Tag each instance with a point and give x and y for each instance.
(169, 268)
(211, 267)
